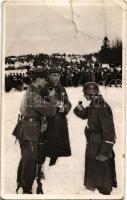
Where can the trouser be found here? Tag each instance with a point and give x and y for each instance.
(28, 162)
(28, 165)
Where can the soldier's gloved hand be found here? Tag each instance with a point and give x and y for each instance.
(79, 107)
(60, 104)
(101, 158)
(43, 127)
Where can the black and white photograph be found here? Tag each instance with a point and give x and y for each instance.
(63, 99)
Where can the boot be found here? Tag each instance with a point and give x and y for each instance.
(104, 191)
(18, 187)
(52, 161)
(90, 188)
(27, 192)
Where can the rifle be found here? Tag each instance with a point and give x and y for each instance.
(40, 174)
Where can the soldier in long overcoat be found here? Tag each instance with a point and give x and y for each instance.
(57, 143)
(33, 110)
(100, 135)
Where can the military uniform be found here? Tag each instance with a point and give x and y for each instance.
(57, 142)
(33, 109)
(100, 136)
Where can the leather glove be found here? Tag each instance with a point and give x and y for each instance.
(79, 107)
(102, 158)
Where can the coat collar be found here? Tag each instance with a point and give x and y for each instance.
(35, 89)
(98, 101)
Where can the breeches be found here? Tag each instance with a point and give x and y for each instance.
(29, 151)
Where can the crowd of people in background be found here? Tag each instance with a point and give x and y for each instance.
(74, 73)
(17, 81)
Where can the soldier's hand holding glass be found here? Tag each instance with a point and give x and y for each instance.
(60, 105)
(43, 125)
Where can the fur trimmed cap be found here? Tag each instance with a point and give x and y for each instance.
(39, 73)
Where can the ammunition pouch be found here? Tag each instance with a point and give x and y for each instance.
(17, 132)
(28, 129)
(31, 130)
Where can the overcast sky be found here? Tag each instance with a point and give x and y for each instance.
(49, 29)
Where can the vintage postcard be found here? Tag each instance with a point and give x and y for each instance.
(63, 99)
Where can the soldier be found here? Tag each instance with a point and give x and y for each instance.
(33, 110)
(56, 137)
(87, 76)
(8, 83)
(100, 136)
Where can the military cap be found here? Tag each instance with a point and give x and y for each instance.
(39, 72)
(54, 70)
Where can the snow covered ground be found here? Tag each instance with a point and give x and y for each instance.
(68, 175)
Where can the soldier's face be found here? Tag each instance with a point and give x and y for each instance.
(87, 97)
(42, 82)
(55, 78)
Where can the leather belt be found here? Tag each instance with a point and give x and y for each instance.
(30, 119)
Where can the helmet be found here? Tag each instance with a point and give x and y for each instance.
(91, 88)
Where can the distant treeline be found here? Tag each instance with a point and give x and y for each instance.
(109, 53)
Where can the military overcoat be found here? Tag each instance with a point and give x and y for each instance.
(57, 141)
(100, 137)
